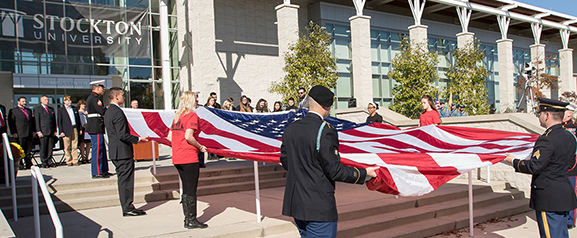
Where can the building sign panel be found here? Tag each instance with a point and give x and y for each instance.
(74, 28)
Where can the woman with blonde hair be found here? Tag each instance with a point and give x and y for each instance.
(227, 105)
(185, 149)
(430, 114)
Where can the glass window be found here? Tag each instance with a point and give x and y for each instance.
(374, 35)
(342, 50)
(344, 86)
(375, 68)
(140, 73)
(343, 65)
(342, 31)
(143, 92)
(175, 94)
(377, 85)
(385, 53)
(375, 52)
(385, 36)
(158, 96)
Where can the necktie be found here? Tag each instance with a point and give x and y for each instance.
(25, 112)
(2, 124)
(46, 108)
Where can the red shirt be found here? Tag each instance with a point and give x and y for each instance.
(182, 152)
(430, 117)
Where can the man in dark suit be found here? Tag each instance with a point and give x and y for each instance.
(552, 195)
(21, 125)
(120, 150)
(46, 130)
(95, 128)
(69, 127)
(310, 150)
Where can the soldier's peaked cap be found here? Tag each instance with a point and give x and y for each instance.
(98, 83)
(551, 105)
(322, 95)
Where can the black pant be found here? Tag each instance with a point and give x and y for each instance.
(125, 176)
(26, 144)
(46, 146)
(189, 175)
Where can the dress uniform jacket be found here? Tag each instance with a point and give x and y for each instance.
(120, 146)
(571, 127)
(95, 118)
(552, 156)
(310, 184)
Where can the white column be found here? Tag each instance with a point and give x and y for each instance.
(465, 39)
(506, 71)
(361, 53)
(538, 61)
(184, 44)
(567, 83)
(287, 27)
(418, 37)
(206, 66)
(165, 54)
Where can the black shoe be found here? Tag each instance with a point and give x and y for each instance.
(193, 224)
(44, 166)
(202, 166)
(100, 176)
(135, 212)
(108, 174)
(570, 226)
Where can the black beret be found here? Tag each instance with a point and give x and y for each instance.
(551, 105)
(322, 95)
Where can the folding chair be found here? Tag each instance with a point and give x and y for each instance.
(59, 148)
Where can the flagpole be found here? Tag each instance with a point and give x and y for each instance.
(257, 191)
(472, 233)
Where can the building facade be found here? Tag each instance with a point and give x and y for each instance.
(236, 47)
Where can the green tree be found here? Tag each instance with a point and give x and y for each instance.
(309, 62)
(467, 79)
(414, 71)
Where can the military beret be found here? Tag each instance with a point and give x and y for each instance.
(551, 105)
(322, 95)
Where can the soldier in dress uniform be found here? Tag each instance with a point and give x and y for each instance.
(569, 125)
(95, 128)
(310, 154)
(552, 195)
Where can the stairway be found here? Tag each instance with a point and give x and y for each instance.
(69, 194)
(442, 210)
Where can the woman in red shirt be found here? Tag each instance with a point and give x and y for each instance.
(185, 148)
(431, 115)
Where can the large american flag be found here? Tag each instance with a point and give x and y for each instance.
(413, 161)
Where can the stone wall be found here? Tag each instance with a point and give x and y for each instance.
(513, 122)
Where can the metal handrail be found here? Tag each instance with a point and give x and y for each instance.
(8, 154)
(38, 179)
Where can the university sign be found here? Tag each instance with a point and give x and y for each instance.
(74, 28)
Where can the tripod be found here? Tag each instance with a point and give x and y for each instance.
(531, 96)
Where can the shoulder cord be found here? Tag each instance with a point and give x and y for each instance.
(320, 132)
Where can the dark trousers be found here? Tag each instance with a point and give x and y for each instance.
(189, 175)
(46, 147)
(125, 176)
(552, 224)
(99, 161)
(315, 229)
(26, 144)
(572, 213)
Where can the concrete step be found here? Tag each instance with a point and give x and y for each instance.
(434, 226)
(436, 218)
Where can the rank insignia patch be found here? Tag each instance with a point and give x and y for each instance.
(99, 103)
(537, 154)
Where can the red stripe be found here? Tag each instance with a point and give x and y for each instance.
(210, 129)
(485, 134)
(98, 154)
(383, 183)
(155, 123)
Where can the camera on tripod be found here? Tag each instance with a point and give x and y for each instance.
(529, 68)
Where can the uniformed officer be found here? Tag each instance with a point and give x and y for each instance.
(443, 110)
(552, 196)
(569, 125)
(95, 128)
(309, 152)
(462, 112)
(454, 110)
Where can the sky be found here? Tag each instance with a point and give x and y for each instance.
(563, 6)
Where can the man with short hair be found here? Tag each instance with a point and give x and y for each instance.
(443, 110)
(134, 104)
(552, 196)
(310, 155)
(462, 112)
(454, 111)
(95, 128)
(291, 105)
(302, 92)
(21, 125)
(121, 151)
(69, 127)
(46, 130)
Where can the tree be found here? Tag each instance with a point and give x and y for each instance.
(414, 71)
(467, 79)
(309, 62)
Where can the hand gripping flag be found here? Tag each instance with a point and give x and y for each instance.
(413, 161)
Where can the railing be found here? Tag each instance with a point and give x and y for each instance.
(38, 179)
(8, 154)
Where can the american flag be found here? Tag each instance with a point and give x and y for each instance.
(437, 101)
(413, 161)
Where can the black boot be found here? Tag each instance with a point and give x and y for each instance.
(189, 209)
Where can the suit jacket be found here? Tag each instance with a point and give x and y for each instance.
(95, 118)
(45, 121)
(552, 156)
(3, 129)
(310, 184)
(64, 122)
(19, 123)
(119, 138)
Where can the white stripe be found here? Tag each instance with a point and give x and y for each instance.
(167, 117)
(223, 125)
(375, 147)
(230, 144)
(408, 180)
(462, 162)
(138, 124)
